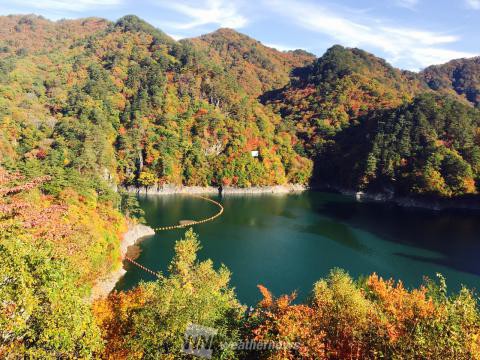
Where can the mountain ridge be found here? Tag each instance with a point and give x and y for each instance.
(258, 67)
(458, 77)
(126, 98)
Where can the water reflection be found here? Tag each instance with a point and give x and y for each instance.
(455, 234)
(288, 242)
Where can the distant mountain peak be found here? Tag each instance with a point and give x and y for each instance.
(257, 67)
(23, 34)
(136, 24)
(458, 77)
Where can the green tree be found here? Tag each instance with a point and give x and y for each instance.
(42, 312)
(194, 292)
(130, 207)
(146, 179)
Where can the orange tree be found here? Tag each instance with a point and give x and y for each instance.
(370, 319)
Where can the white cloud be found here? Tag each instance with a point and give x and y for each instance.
(419, 36)
(473, 4)
(409, 4)
(416, 47)
(219, 12)
(176, 37)
(67, 5)
(433, 56)
(280, 47)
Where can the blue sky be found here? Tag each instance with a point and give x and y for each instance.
(410, 34)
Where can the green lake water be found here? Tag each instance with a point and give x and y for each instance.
(287, 242)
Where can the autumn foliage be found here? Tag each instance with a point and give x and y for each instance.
(87, 105)
(372, 319)
(113, 315)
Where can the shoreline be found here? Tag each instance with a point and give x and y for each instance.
(408, 202)
(227, 190)
(137, 233)
(258, 190)
(386, 197)
(134, 235)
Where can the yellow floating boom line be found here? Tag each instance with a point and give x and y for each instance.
(180, 226)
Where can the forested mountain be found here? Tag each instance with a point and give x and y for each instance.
(370, 126)
(86, 105)
(460, 77)
(426, 147)
(22, 34)
(150, 110)
(333, 92)
(256, 67)
(126, 101)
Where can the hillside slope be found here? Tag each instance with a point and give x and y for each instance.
(457, 77)
(337, 89)
(370, 126)
(257, 68)
(126, 102)
(20, 34)
(133, 103)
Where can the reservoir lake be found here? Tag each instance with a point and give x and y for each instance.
(288, 242)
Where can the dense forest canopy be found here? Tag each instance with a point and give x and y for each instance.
(89, 105)
(125, 102)
(256, 67)
(457, 77)
(369, 126)
(132, 103)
